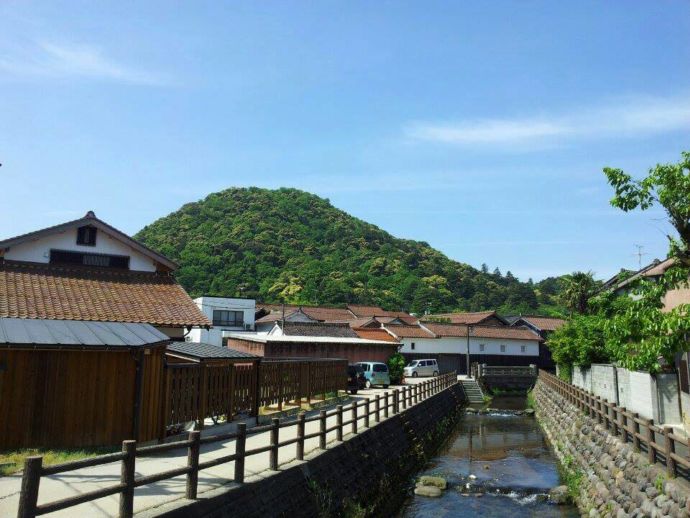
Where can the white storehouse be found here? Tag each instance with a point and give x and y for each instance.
(448, 343)
(228, 314)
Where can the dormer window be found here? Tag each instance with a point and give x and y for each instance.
(86, 235)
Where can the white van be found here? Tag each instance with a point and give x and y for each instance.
(421, 368)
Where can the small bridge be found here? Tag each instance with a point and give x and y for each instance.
(505, 377)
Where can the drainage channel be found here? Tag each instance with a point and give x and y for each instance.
(496, 464)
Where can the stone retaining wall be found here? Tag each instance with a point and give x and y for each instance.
(367, 475)
(614, 480)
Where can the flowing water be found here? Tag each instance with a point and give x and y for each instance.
(497, 465)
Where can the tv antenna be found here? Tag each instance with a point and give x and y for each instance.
(639, 255)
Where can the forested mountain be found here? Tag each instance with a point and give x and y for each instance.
(291, 245)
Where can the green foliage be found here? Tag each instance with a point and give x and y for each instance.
(396, 364)
(287, 245)
(531, 402)
(580, 341)
(576, 290)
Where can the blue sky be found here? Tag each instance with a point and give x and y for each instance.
(478, 127)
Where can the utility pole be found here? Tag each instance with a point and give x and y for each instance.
(469, 332)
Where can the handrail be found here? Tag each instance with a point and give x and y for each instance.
(393, 402)
(627, 425)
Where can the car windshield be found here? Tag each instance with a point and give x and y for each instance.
(412, 364)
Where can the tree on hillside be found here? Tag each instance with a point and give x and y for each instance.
(577, 289)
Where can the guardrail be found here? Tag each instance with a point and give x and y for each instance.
(400, 399)
(481, 370)
(628, 426)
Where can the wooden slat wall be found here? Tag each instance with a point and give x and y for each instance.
(152, 395)
(66, 398)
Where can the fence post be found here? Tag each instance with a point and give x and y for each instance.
(608, 415)
(403, 400)
(129, 448)
(354, 417)
(377, 407)
(385, 404)
(622, 422)
(300, 436)
(409, 396)
(669, 450)
(275, 426)
(396, 407)
(31, 479)
(339, 422)
(366, 413)
(651, 452)
(192, 464)
(322, 429)
(240, 445)
(636, 432)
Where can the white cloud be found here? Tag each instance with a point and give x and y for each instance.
(47, 59)
(631, 117)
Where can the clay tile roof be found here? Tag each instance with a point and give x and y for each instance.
(32, 290)
(514, 333)
(409, 331)
(466, 318)
(320, 313)
(446, 329)
(460, 330)
(545, 323)
(375, 311)
(374, 334)
(318, 329)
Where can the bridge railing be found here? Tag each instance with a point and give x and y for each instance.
(378, 408)
(483, 370)
(659, 443)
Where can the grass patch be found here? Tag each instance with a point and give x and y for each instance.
(13, 460)
(531, 403)
(572, 477)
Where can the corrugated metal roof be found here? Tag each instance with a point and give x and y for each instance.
(32, 331)
(207, 351)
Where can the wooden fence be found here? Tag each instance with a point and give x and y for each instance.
(199, 391)
(382, 407)
(659, 443)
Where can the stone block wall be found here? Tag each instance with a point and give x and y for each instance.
(614, 480)
(368, 474)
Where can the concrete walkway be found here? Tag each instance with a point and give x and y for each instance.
(63, 485)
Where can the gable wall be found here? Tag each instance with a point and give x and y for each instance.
(38, 250)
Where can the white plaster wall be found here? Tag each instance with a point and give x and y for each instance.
(624, 389)
(603, 384)
(582, 378)
(458, 345)
(214, 336)
(38, 250)
(668, 398)
(641, 394)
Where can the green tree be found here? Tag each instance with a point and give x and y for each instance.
(396, 364)
(577, 289)
(641, 333)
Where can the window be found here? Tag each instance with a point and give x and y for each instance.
(412, 346)
(523, 348)
(86, 235)
(380, 367)
(503, 348)
(482, 347)
(85, 259)
(222, 317)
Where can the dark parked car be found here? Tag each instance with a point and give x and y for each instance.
(355, 378)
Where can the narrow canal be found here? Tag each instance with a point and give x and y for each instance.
(496, 464)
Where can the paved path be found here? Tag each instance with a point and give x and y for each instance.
(71, 483)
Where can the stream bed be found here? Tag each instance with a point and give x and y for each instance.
(496, 464)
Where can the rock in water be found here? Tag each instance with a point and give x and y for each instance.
(429, 491)
(559, 495)
(428, 480)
